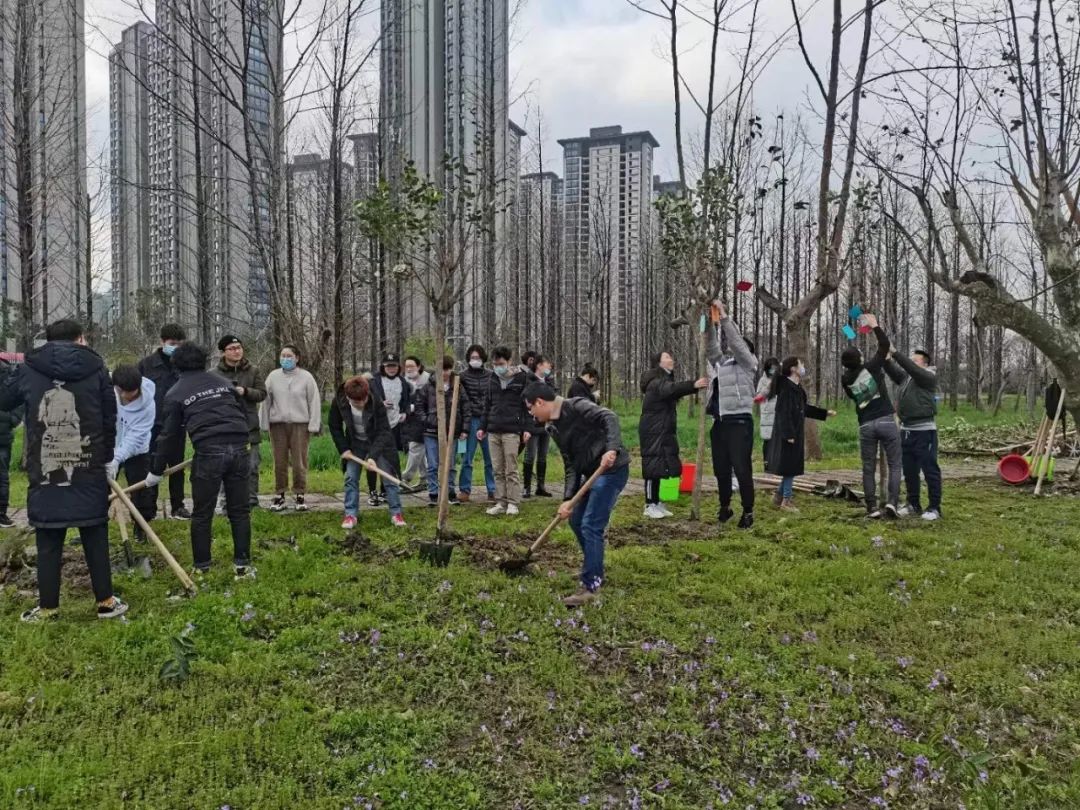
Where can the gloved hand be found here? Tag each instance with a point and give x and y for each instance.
(152, 480)
(111, 469)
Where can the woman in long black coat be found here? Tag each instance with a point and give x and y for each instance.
(787, 448)
(657, 428)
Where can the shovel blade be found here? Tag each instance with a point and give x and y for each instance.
(436, 554)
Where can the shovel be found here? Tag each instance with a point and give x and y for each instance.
(519, 565)
(181, 574)
(140, 485)
(371, 466)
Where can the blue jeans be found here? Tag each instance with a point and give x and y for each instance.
(431, 446)
(465, 484)
(352, 489)
(787, 486)
(589, 522)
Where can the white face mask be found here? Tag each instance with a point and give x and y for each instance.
(412, 375)
(802, 371)
(476, 363)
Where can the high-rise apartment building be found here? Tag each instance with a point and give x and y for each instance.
(539, 217)
(607, 233)
(129, 165)
(43, 195)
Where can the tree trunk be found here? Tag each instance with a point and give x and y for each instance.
(699, 456)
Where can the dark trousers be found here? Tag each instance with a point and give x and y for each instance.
(881, 432)
(919, 450)
(5, 479)
(215, 468)
(765, 452)
(135, 470)
(536, 451)
(50, 557)
(176, 480)
(732, 450)
(652, 491)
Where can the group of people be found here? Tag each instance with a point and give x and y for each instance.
(85, 426)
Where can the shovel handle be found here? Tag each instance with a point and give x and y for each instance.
(178, 569)
(574, 501)
(371, 466)
(139, 485)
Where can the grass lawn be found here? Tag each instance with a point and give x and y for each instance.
(817, 661)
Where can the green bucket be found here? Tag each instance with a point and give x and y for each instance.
(669, 490)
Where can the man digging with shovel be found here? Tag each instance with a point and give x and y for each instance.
(589, 439)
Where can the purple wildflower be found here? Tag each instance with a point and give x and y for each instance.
(938, 679)
(785, 639)
(710, 640)
(878, 541)
(636, 751)
(663, 784)
(810, 637)
(429, 764)
(444, 586)
(583, 799)
(374, 638)
(904, 662)
(812, 754)
(804, 800)
(877, 801)
(984, 777)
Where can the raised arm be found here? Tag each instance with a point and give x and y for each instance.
(896, 374)
(743, 356)
(922, 377)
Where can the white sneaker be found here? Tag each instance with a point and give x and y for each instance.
(511, 509)
(497, 509)
(931, 514)
(905, 511)
(667, 512)
(653, 511)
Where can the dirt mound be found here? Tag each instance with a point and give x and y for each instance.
(18, 561)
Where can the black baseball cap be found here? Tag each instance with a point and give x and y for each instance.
(391, 359)
(228, 340)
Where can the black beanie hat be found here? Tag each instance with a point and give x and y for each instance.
(851, 358)
(228, 340)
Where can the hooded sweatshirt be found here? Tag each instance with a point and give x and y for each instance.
(134, 424)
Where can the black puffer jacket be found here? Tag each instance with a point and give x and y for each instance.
(160, 371)
(584, 432)
(506, 405)
(204, 405)
(378, 441)
(657, 428)
(531, 424)
(580, 388)
(475, 386)
(70, 433)
(9, 420)
(246, 376)
(426, 405)
(787, 447)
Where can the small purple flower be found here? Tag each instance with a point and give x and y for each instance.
(904, 662)
(894, 772)
(248, 616)
(636, 751)
(663, 784)
(785, 639)
(810, 637)
(374, 638)
(583, 799)
(938, 679)
(812, 754)
(878, 541)
(877, 801)
(444, 586)
(710, 640)
(430, 765)
(984, 777)
(804, 800)
(646, 646)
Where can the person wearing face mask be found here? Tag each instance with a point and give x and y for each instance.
(536, 450)
(475, 387)
(529, 361)
(657, 429)
(412, 432)
(864, 384)
(503, 424)
(158, 368)
(766, 406)
(395, 394)
(136, 414)
(427, 413)
(787, 447)
(916, 405)
(292, 414)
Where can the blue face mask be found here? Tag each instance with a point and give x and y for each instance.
(545, 373)
(168, 349)
(502, 371)
(288, 363)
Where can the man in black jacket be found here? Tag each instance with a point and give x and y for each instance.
(585, 384)
(9, 420)
(475, 386)
(916, 404)
(536, 451)
(70, 434)
(503, 425)
(589, 438)
(205, 406)
(159, 369)
(864, 383)
(396, 396)
(250, 386)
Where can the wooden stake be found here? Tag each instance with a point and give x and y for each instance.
(1050, 443)
(178, 569)
(451, 450)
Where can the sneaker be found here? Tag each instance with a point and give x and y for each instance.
(652, 511)
(788, 505)
(5, 521)
(777, 498)
(891, 511)
(301, 506)
(724, 515)
(398, 521)
(931, 514)
(491, 496)
(39, 614)
(179, 514)
(582, 596)
(873, 514)
(453, 499)
(464, 497)
(906, 511)
(542, 493)
(432, 501)
(512, 509)
(349, 523)
(497, 509)
(747, 520)
(117, 608)
(667, 512)
(278, 504)
(526, 494)
(244, 572)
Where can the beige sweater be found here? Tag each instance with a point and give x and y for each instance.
(291, 399)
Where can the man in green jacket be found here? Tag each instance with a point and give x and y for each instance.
(250, 386)
(917, 407)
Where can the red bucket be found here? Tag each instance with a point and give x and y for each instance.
(689, 473)
(1014, 470)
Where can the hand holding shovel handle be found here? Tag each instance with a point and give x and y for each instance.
(181, 574)
(139, 485)
(371, 466)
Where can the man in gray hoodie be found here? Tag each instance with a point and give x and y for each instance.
(732, 366)
(916, 404)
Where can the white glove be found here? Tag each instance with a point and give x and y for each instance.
(152, 480)
(401, 418)
(111, 469)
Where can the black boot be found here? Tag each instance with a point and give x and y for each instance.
(526, 491)
(541, 474)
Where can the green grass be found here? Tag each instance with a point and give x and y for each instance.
(817, 659)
